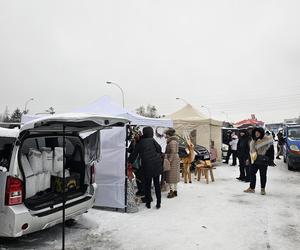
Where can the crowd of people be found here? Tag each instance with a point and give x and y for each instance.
(147, 159)
(254, 148)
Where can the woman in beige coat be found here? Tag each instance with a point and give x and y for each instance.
(173, 175)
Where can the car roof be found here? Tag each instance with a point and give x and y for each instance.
(9, 132)
(293, 126)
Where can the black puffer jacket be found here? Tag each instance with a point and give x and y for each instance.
(150, 153)
(243, 148)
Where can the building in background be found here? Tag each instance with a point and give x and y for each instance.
(249, 122)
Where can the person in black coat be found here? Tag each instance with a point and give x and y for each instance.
(280, 144)
(137, 168)
(243, 152)
(227, 142)
(150, 153)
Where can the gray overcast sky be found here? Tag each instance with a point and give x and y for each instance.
(240, 57)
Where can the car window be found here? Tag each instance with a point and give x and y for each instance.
(294, 133)
(6, 147)
(52, 141)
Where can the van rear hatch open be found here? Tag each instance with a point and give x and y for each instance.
(40, 156)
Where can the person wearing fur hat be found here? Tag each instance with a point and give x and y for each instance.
(173, 175)
(262, 156)
(243, 152)
(152, 166)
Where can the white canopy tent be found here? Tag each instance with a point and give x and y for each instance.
(204, 129)
(111, 172)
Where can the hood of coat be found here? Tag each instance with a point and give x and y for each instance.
(259, 129)
(148, 132)
(172, 138)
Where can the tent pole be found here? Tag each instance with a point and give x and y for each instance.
(63, 188)
(126, 161)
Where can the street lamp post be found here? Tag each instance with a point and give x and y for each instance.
(118, 86)
(26, 103)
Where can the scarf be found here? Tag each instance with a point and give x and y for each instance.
(260, 147)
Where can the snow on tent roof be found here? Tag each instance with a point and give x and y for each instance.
(106, 105)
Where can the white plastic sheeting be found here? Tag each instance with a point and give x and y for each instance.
(31, 186)
(40, 180)
(47, 180)
(58, 163)
(30, 178)
(26, 166)
(35, 160)
(110, 172)
(47, 158)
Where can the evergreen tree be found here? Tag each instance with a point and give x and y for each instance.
(16, 116)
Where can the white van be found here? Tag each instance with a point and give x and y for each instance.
(31, 170)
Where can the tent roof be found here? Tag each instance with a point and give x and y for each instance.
(106, 105)
(188, 115)
(188, 112)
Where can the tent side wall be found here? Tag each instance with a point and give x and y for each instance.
(203, 135)
(216, 136)
(110, 172)
(203, 129)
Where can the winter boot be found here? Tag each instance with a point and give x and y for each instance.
(263, 191)
(144, 199)
(249, 190)
(148, 205)
(175, 193)
(171, 194)
(158, 205)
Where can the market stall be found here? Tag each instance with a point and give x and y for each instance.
(200, 128)
(111, 172)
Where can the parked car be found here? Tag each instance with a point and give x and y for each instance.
(31, 178)
(291, 148)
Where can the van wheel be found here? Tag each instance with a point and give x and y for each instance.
(70, 222)
(290, 167)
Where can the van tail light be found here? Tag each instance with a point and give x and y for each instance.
(14, 191)
(93, 174)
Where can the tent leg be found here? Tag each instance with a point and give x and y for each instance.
(63, 189)
(126, 161)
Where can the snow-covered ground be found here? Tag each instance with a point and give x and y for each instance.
(214, 216)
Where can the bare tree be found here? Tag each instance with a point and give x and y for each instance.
(150, 111)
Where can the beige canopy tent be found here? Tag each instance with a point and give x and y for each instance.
(199, 127)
